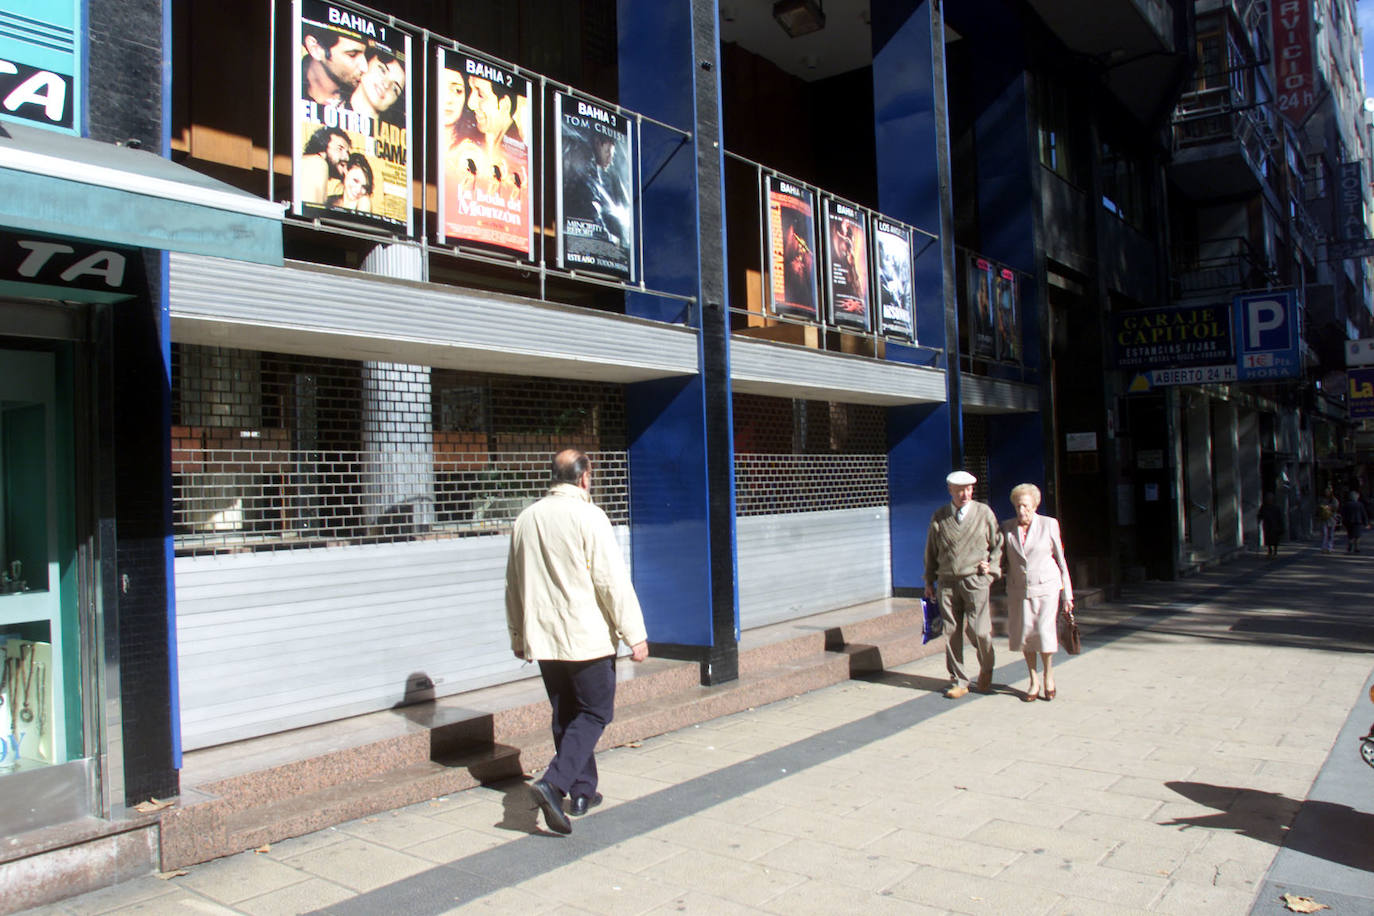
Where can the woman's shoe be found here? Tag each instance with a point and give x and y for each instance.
(1048, 693)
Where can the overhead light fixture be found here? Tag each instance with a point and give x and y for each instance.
(799, 17)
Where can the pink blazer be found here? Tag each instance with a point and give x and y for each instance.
(1037, 568)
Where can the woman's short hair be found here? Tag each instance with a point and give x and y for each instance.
(1026, 489)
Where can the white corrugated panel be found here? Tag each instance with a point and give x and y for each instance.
(276, 640)
(808, 562)
(789, 371)
(346, 314)
(980, 394)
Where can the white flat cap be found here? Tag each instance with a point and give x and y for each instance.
(961, 479)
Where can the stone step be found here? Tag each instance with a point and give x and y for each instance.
(457, 743)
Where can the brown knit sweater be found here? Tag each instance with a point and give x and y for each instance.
(954, 548)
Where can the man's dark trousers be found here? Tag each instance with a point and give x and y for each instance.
(582, 695)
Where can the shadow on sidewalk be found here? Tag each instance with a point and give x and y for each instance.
(1336, 833)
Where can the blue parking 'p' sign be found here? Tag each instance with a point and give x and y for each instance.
(1266, 335)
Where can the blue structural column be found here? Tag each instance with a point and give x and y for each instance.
(909, 102)
(1006, 169)
(682, 498)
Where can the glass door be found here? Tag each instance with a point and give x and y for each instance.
(41, 725)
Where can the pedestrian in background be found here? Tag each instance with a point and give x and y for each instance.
(1271, 523)
(569, 603)
(1329, 516)
(1037, 578)
(1354, 518)
(964, 554)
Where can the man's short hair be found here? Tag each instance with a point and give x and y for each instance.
(325, 37)
(319, 140)
(569, 465)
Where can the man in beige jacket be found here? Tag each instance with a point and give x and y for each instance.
(569, 603)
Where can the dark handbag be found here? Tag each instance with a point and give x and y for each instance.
(1068, 629)
(934, 625)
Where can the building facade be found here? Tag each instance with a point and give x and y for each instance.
(382, 260)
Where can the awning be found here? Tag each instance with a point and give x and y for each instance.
(56, 184)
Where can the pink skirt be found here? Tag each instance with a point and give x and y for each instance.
(1032, 624)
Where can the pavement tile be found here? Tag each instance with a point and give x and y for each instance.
(637, 855)
(922, 810)
(970, 806)
(744, 883)
(943, 852)
(1051, 775)
(456, 844)
(856, 868)
(108, 899)
(1146, 858)
(398, 830)
(235, 878)
(1086, 880)
(598, 889)
(963, 893)
(744, 809)
(806, 823)
(1103, 802)
(178, 903)
(824, 898)
(1187, 899)
(1201, 869)
(303, 897)
(1086, 906)
(734, 840)
(1043, 841)
(703, 904)
(507, 900)
(1122, 829)
(358, 865)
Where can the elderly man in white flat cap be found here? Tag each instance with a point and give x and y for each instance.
(964, 555)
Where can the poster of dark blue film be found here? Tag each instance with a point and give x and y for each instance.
(1008, 320)
(790, 221)
(892, 257)
(846, 258)
(351, 150)
(982, 323)
(596, 217)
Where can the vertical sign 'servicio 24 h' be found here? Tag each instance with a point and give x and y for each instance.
(350, 120)
(1295, 70)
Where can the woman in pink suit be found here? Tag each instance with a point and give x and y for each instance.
(1036, 573)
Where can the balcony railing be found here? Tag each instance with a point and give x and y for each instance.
(1215, 265)
(1218, 115)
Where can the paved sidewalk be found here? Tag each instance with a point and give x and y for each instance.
(1163, 779)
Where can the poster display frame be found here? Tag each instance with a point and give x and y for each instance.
(519, 180)
(604, 119)
(775, 248)
(834, 209)
(880, 226)
(389, 158)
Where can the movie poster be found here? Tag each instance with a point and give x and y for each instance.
(982, 340)
(790, 218)
(896, 307)
(596, 217)
(1008, 321)
(484, 155)
(846, 259)
(351, 130)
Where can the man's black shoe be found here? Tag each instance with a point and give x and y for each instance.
(581, 804)
(551, 801)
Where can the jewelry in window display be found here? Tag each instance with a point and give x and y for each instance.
(25, 681)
